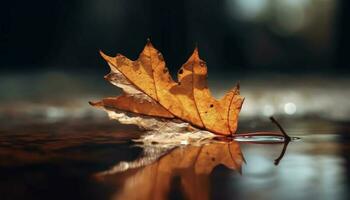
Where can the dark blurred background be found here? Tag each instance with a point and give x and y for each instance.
(49, 49)
(263, 35)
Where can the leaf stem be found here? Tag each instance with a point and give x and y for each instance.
(285, 135)
(285, 145)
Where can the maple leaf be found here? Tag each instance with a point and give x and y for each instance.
(148, 89)
(192, 164)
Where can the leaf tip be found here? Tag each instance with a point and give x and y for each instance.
(104, 56)
(149, 43)
(236, 89)
(107, 77)
(195, 53)
(238, 85)
(99, 103)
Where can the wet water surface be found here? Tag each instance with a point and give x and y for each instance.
(96, 159)
(53, 145)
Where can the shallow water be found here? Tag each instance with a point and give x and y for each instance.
(96, 159)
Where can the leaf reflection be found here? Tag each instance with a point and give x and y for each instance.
(191, 164)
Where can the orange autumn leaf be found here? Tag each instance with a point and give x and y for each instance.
(150, 90)
(193, 165)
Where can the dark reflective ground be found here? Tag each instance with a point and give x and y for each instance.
(53, 145)
(75, 160)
